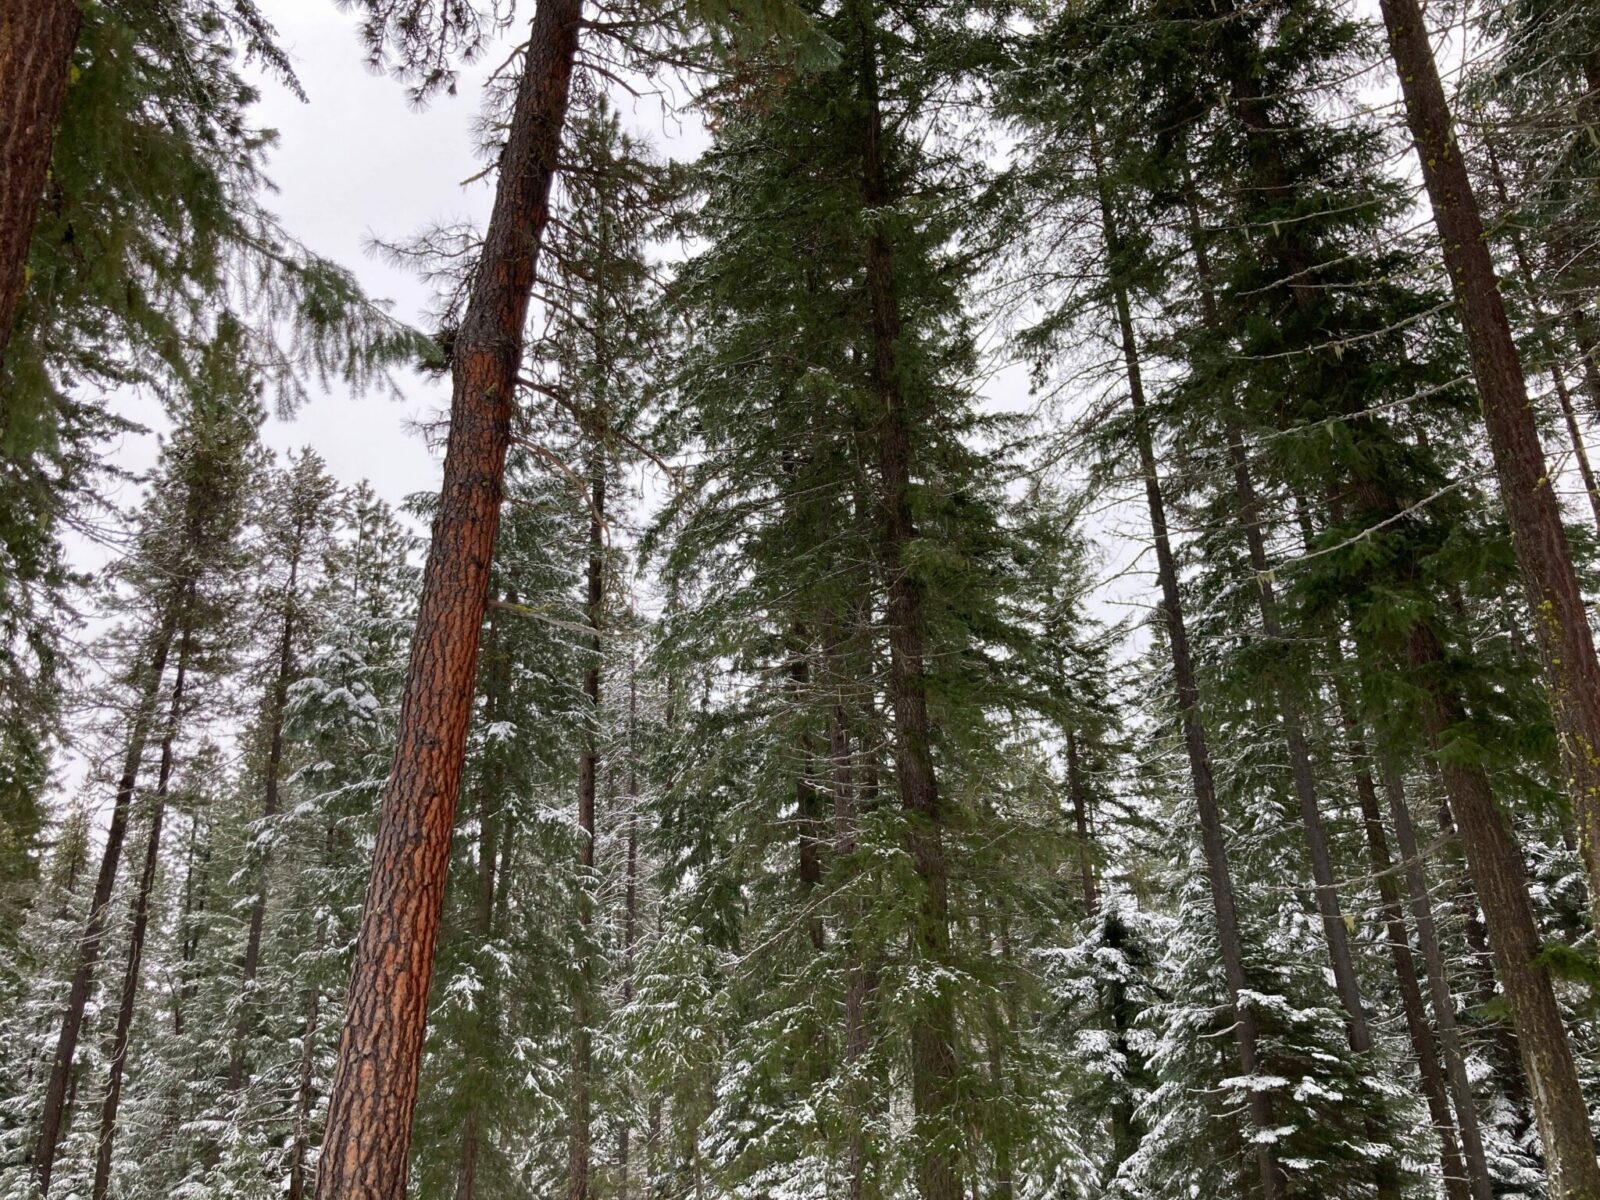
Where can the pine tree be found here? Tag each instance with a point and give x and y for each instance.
(184, 552)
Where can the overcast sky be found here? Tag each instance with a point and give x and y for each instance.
(358, 162)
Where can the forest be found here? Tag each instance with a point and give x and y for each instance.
(1005, 609)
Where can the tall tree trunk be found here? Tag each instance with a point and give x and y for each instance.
(1500, 877)
(1558, 380)
(1465, 1167)
(578, 1137)
(630, 919)
(490, 797)
(305, 1093)
(1213, 844)
(55, 1097)
(1078, 791)
(37, 38)
(196, 895)
(807, 797)
(276, 709)
(1346, 984)
(136, 938)
(365, 1151)
(1561, 621)
(858, 983)
(933, 1026)
(1444, 1009)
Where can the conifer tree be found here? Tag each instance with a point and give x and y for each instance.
(185, 549)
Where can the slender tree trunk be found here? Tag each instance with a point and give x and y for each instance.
(578, 1137)
(55, 1098)
(366, 1149)
(1558, 379)
(630, 919)
(857, 984)
(37, 38)
(491, 795)
(1589, 355)
(1561, 620)
(1079, 793)
(1444, 1009)
(196, 896)
(933, 1026)
(276, 707)
(136, 939)
(808, 798)
(1229, 940)
(1500, 877)
(1464, 1164)
(305, 1096)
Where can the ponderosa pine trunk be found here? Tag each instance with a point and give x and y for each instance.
(276, 712)
(1213, 843)
(365, 1152)
(1560, 618)
(933, 1027)
(1501, 880)
(578, 1134)
(37, 38)
(128, 1000)
(55, 1097)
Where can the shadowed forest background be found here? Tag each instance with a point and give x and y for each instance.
(1008, 613)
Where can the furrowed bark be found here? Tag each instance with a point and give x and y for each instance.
(365, 1151)
(1560, 618)
(37, 38)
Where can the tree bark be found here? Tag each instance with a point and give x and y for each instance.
(1444, 1009)
(276, 708)
(1558, 379)
(305, 1094)
(1229, 941)
(1079, 794)
(55, 1098)
(578, 1138)
(1501, 880)
(630, 920)
(136, 938)
(37, 38)
(365, 1151)
(1561, 620)
(807, 797)
(933, 1027)
(490, 797)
